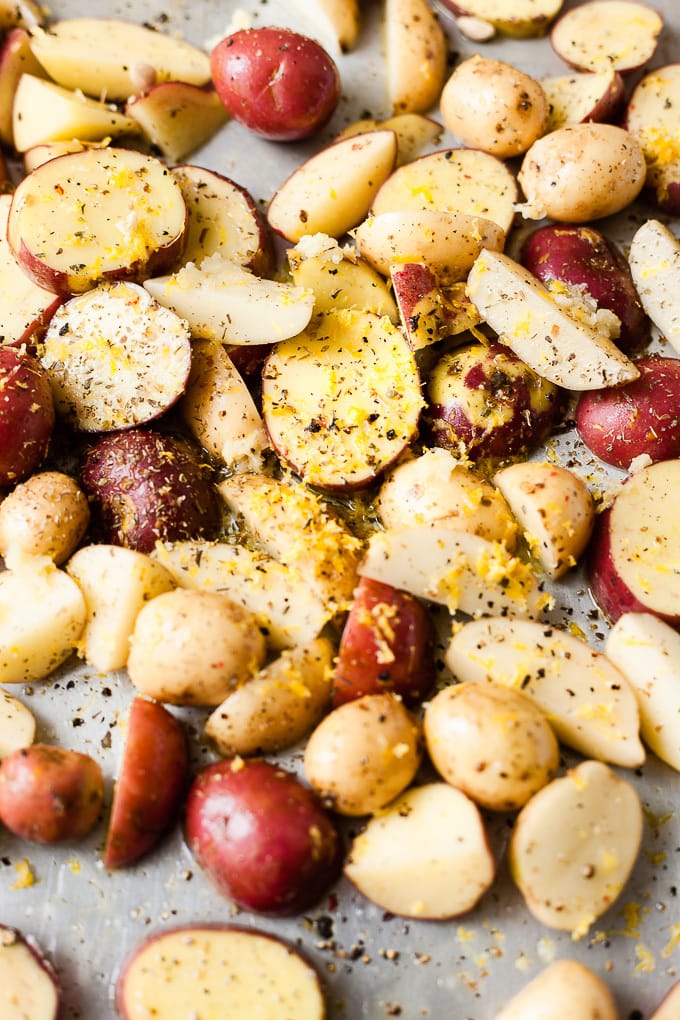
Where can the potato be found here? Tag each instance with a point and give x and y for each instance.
(26, 414)
(655, 266)
(493, 106)
(582, 96)
(27, 308)
(262, 836)
(50, 794)
(565, 981)
(177, 117)
(47, 515)
(621, 34)
(193, 647)
(525, 18)
(146, 486)
(669, 1005)
(362, 755)
(281, 85)
(650, 117)
(416, 51)
(492, 742)
(17, 724)
(29, 986)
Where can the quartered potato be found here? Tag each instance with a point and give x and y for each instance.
(29, 986)
(565, 981)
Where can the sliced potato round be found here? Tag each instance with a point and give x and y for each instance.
(564, 981)
(17, 724)
(574, 846)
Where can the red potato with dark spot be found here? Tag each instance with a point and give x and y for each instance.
(582, 257)
(29, 986)
(50, 794)
(153, 778)
(145, 486)
(262, 836)
(642, 417)
(386, 645)
(279, 84)
(26, 414)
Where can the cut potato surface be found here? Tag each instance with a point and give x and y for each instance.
(242, 974)
(177, 117)
(564, 981)
(336, 21)
(17, 725)
(416, 50)
(25, 308)
(523, 19)
(655, 266)
(651, 116)
(588, 95)
(342, 400)
(28, 984)
(607, 33)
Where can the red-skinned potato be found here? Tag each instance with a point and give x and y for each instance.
(26, 414)
(583, 95)
(386, 645)
(145, 486)
(153, 778)
(29, 986)
(641, 417)
(50, 794)
(262, 836)
(281, 85)
(583, 257)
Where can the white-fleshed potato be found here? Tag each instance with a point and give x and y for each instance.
(416, 51)
(425, 856)
(193, 648)
(17, 724)
(590, 704)
(574, 845)
(177, 117)
(414, 132)
(655, 266)
(116, 583)
(521, 19)
(47, 515)
(669, 1007)
(581, 96)
(621, 34)
(565, 981)
(339, 278)
(429, 310)
(337, 22)
(278, 706)
(555, 511)
(25, 308)
(363, 754)
(492, 742)
(16, 58)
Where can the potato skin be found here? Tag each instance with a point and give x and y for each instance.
(50, 794)
(262, 836)
(26, 414)
(31, 984)
(47, 515)
(280, 84)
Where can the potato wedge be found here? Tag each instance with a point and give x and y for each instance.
(47, 515)
(562, 981)
(337, 22)
(522, 19)
(414, 132)
(177, 117)
(16, 58)
(416, 55)
(621, 34)
(28, 982)
(25, 308)
(655, 265)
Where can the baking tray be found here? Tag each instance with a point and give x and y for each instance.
(373, 965)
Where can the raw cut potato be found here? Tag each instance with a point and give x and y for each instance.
(279, 84)
(223, 302)
(491, 742)
(638, 419)
(464, 572)
(554, 509)
(429, 310)
(669, 1006)
(447, 243)
(574, 845)
(565, 981)
(116, 584)
(45, 112)
(146, 486)
(47, 515)
(437, 487)
(341, 401)
(339, 278)
(351, 170)
(647, 651)
(581, 172)
(655, 265)
(131, 222)
(102, 350)
(525, 18)
(414, 132)
(338, 21)
(493, 106)
(588, 701)
(16, 58)
(635, 546)
(152, 779)
(219, 410)
(50, 794)
(416, 52)
(39, 154)
(278, 706)
(42, 616)
(177, 117)
(224, 220)
(28, 983)
(107, 55)
(288, 611)
(581, 96)
(484, 401)
(426, 856)
(25, 308)
(607, 33)
(651, 116)
(465, 181)
(244, 973)
(363, 754)
(17, 725)
(26, 414)
(554, 343)
(193, 647)
(387, 644)
(263, 837)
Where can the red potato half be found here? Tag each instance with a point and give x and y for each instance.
(130, 224)
(29, 986)
(243, 973)
(26, 414)
(607, 33)
(581, 96)
(263, 838)
(152, 780)
(652, 117)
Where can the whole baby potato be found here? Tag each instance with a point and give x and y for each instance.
(193, 647)
(281, 85)
(47, 515)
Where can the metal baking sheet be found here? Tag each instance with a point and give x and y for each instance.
(373, 965)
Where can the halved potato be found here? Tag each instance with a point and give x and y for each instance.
(563, 981)
(582, 95)
(650, 117)
(522, 18)
(621, 34)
